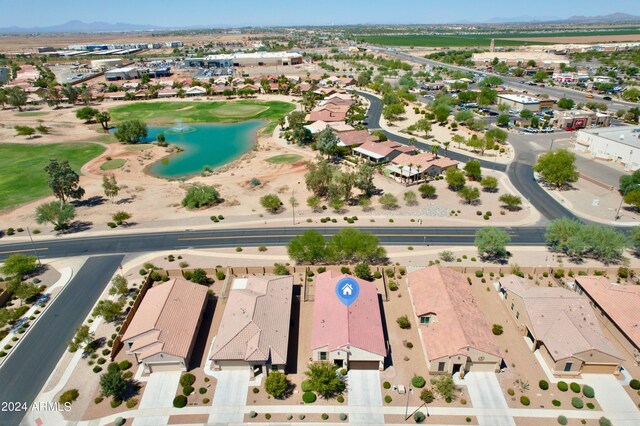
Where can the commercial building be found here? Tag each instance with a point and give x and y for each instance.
(125, 73)
(521, 58)
(254, 331)
(454, 333)
(239, 59)
(561, 325)
(620, 144)
(163, 331)
(105, 64)
(350, 336)
(617, 308)
(523, 101)
(579, 119)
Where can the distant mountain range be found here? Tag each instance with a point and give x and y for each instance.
(613, 18)
(79, 27)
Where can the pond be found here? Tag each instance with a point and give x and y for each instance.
(205, 145)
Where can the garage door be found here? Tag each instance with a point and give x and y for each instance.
(483, 366)
(170, 366)
(599, 369)
(364, 365)
(233, 365)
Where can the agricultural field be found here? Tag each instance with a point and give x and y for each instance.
(22, 175)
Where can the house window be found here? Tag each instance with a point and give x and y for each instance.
(512, 305)
(323, 356)
(517, 315)
(441, 366)
(425, 320)
(567, 366)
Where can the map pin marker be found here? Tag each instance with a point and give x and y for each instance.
(347, 290)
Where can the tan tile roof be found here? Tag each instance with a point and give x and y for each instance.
(357, 137)
(327, 115)
(167, 318)
(562, 319)
(620, 302)
(255, 323)
(459, 323)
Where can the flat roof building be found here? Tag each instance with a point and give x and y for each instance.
(125, 73)
(240, 59)
(620, 144)
(520, 101)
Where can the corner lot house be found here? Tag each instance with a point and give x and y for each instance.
(454, 333)
(618, 309)
(351, 337)
(254, 332)
(562, 326)
(164, 329)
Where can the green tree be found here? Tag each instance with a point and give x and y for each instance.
(463, 116)
(560, 231)
(423, 125)
(310, 247)
(492, 242)
(427, 191)
(526, 114)
(632, 94)
(16, 97)
(86, 113)
(103, 118)
(59, 215)
(491, 81)
(393, 112)
(633, 198)
(469, 194)
(540, 76)
(455, 178)
(362, 271)
(324, 380)
(352, 245)
(503, 120)
(302, 135)
(512, 202)
(108, 309)
(71, 93)
(276, 384)
(19, 265)
(364, 179)
(629, 183)
(199, 196)
(315, 203)
(496, 136)
(557, 167)
(634, 238)
(327, 142)
(565, 103)
(110, 186)
(472, 170)
(388, 201)
(120, 217)
(410, 198)
(442, 113)
(346, 181)
(27, 131)
(336, 203)
(131, 131)
(296, 119)
(119, 286)
(113, 383)
(319, 177)
(445, 386)
(489, 183)
(271, 202)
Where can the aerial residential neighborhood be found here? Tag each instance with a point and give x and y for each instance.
(364, 213)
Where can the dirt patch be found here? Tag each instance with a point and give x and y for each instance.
(188, 419)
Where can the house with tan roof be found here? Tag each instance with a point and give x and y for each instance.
(454, 332)
(254, 331)
(163, 330)
(617, 308)
(355, 138)
(195, 91)
(562, 326)
(381, 152)
(327, 115)
(411, 168)
(350, 336)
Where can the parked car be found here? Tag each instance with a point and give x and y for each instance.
(589, 95)
(607, 98)
(530, 130)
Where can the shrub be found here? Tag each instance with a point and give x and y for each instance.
(325, 416)
(132, 402)
(253, 414)
(116, 403)
(524, 400)
(127, 374)
(577, 402)
(180, 401)
(497, 329)
(544, 385)
(588, 391)
(575, 387)
(119, 421)
(511, 392)
(98, 399)
(556, 403)
(202, 391)
(111, 224)
(562, 420)
(340, 399)
(479, 274)
(187, 390)
(306, 386)
(404, 322)
(309, 397)
(97, 369)
(563, 386)
(69, 396)
(113, 367)
(393, 286)
(126, 364)
(418, 417)
(410, 345)
(590, 405)
(388, 399)
(418, 381)
(301, 416)
(343, 417)
(386, 385)
(187, 379)
(267, 416)
(635, 384)
(206, 400)
(255, 390)
(377, 275)
(603, 421)
(343, 371)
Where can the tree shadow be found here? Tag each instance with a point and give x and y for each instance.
(96, 200)
(77, 226)
(128, 224)
(127, 200)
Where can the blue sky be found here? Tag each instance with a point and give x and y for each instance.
(216, 13)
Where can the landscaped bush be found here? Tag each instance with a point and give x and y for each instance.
(603, 421)
(255, 390)
(577, 402)
(404, 322)
(419, 417)
(343, 417)
(125, 365)
(325, 416)
(393, 286)
(562, 420)
(97, 369)
(388, 399)
(306, 386)
(253, 414)
(340, 399)
(98, 399)
(386, 385)
(556, 403)
(418, 381)
(180, 401)
(202, 391)
(544, 385)
(410, 345)
(206, 401)
(309, 397)
(588, 391)
(101, 361)
(635, 384)
(69, 396)
(497, 329)
(524, 400)
(479, 273)
(511, 392)
(187, 390)
(575, 387)
(187, 379)
(132, 402)
(590, 405)
(115, 403)
(563, 386)
(267, 416)
(119, 421)
(302, 416)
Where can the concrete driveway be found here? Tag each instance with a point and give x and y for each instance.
(485, 392)
(614, 400)
(231, 392)
(364, 391)
(158, 393)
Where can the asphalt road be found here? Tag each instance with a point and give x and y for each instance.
(520, 171)
(134, 243)
(28, 367)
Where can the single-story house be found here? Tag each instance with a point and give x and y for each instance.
(617, 306)
(382, 152)
(337, 126)
(562, 326)
(350, 336)
(163, 331)
(356, 138)
(195, 91)
(454, 332)
(254, 331)
(406, 167)
(327, 115)
(167, 93)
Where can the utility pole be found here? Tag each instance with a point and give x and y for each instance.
(551, 147)
(35, 252)
(293, 206)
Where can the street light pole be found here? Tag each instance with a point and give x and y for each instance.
(406, 408)
(35, 252)
(293, 206)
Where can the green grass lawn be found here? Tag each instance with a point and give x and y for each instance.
(284, 158)
(22, 175)
(113, 164)
(32, 113)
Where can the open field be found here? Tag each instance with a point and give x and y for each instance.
(32, 113)
(503, 39)
(22, 176)
(284, 159)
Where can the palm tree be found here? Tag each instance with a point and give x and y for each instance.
(446, 147)
(418, 167)
(409, 174)
(434, 150)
